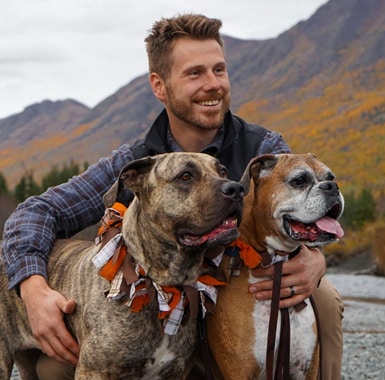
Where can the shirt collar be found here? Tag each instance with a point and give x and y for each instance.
(211, 149)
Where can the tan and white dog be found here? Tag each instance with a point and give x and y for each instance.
(183, 205)
(292, 200)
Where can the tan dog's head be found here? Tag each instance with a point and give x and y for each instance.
(292, 199)
(183, 204)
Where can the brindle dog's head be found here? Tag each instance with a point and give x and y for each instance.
(292, 199)
(183, 205)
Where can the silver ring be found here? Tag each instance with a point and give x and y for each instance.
(292, 291)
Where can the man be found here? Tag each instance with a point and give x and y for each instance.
(188, 74)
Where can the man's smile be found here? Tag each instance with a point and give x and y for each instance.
(209, 102)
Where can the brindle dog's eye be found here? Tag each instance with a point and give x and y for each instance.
(185, 176)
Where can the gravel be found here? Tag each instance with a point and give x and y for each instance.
(363, 324)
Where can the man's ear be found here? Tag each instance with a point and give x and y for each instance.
(158, 86)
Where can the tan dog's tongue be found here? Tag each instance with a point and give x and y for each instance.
(330, 225)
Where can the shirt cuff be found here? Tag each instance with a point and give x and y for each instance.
(25, 267)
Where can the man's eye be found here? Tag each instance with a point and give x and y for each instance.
(220, 70)
(195, 73)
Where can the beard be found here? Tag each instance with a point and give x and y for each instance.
(205, 119)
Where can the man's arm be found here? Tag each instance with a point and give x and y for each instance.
(29, 235)
(273, 143)
(60, 212)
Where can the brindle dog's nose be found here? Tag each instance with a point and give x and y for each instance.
(330, 187)
(233, 190)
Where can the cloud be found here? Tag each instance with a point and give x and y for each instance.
(87, 49)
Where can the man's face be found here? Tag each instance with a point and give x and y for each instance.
(197, 92)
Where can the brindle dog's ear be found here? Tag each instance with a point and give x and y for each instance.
(109, 198)
(255, 166)
(130, 177)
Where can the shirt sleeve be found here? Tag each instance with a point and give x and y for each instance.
(60, 212)
(273, 143)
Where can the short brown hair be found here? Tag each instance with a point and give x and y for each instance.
(160, 41)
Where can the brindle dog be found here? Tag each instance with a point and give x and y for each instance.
(183, 205)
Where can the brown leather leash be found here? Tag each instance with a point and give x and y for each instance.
(317, 319)
(283, 358)
(282, 370)
(204, 347)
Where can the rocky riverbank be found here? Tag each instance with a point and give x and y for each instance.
(363, 325)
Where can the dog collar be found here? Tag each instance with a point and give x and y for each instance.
(251, 258)
(238, 248)
(131, 284)
(128, 279)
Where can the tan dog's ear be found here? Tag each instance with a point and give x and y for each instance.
(254, 168)
(130, 178)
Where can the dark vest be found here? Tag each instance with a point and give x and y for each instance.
(240, 143)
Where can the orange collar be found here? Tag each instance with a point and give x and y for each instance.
(246, 252)
(123, 273)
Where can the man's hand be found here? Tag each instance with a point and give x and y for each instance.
(300, 275)
(45, 308)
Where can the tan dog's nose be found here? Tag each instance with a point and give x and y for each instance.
(233, 190)
(330, 186)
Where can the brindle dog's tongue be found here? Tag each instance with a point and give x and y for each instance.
(330, 225)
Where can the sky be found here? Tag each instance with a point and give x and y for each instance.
(87, 49)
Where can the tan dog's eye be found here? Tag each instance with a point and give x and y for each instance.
(223, 172)
(299, 181)
(185, 176)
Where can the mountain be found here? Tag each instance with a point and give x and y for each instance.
(27, 137)
(320, 83)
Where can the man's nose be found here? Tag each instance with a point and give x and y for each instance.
(212, 82)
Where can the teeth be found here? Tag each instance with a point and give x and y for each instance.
(209, 102)
(230, 222)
